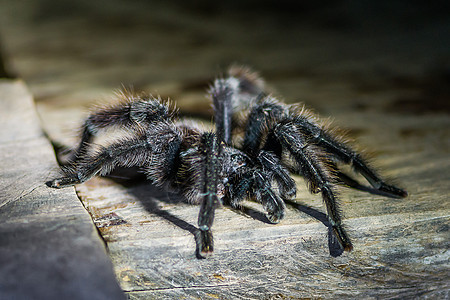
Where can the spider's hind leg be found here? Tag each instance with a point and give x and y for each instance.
(347, 155)
(317, 172)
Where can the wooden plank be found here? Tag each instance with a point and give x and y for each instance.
(49, 248)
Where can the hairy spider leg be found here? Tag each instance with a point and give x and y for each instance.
(155, 149)
(259, 120)
(212, 151)
(222, 94)
(233, 94)
(133, 111)
(315, 170)
(265, 194)
(239, 187)
(271, 163)
(248, 86)
(346, 155)
(256, 182)
(127, 153)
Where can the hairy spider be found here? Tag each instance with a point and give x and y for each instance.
(257, 143)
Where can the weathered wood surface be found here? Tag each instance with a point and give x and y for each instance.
(49, 248)
(385, 83)
(401, 246)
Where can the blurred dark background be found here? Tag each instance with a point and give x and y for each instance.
(352, 51)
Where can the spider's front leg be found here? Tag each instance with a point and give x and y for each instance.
(212, 150)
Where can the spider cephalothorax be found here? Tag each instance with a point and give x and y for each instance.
(257, 143)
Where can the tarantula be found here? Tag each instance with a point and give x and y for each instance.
(258, 141)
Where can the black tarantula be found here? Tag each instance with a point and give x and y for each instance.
(258, 141)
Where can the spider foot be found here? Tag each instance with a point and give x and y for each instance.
(393, 191)
(62, 182)
(205, 243)
(342, 237)
(276, 216)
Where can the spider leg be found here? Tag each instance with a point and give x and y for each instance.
(264, 194)
(255, 180)
(260, 118)
(249, 87)
(316, 171)
(134, 111)
(348, 156)
(271, 163)
(212, 151)
(155, 150)
(239, 188)
(232, 94)
(126, 153)
(222, 94)
(257, 183)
